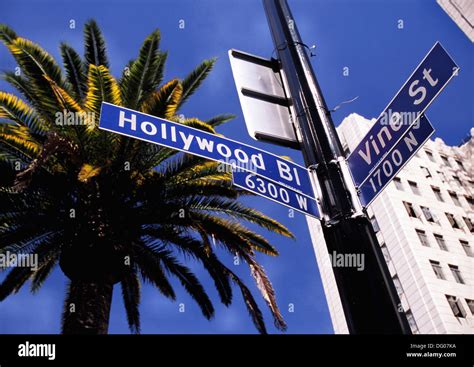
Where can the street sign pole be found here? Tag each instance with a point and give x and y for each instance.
(369, 298)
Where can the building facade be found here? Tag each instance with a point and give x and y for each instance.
(462, 13)
(424, 223)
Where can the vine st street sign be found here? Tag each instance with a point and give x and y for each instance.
(405, 109)
(394, 161)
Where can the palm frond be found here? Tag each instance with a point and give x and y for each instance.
(131, 299)
(102, 87)
(64, 100)
(10, 158)
(203, 187)
(194, 79)
(75, 71)
(21, 84)
(164, 102)
(20, 138)
(87, 172)
(151, 269)
(67, 104)
(233, 235)
(266, 289)
(94, 45)
(220, 119)
(40, 276)
(188, 280)
(46, 251)
(196, 123)
(139, 82)
(17, 111)
(14, 281)
(197, 169)
(239, 211)
(36, 62)
(252, 306)
(7, 35)
(199, 250)
(160, 68)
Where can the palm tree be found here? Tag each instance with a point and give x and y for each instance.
(108, 209)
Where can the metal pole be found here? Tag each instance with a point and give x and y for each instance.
(369, 298)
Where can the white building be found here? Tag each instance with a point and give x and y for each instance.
(424, 222)
(461, 12)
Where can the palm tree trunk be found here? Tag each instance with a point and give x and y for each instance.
(87, 307)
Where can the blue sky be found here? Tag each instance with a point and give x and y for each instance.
(360, 34)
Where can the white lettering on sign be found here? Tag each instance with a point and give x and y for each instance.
(207, 145)
(421, 89)
(382, 139)
(396, 120)
(302, 202)
(186, 139)
(410, 141)
(285, 172)
(391, 162)
(275, 192)
(132, 120)
(149, 128)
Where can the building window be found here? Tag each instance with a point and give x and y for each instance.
(437, 193)
(375, 224)
(469, 224)
(455, 198)
(428, 215)
(453, 221)
(457, 180)
(456, 274)
(430, 156)
(467, 248)
(398, 285)
(441, 176)
(412, 322)
(441, 242)
(456, 306)
(423, 237)
(385, 253)
(470, 201)
(398, 183)
(414, 187)
(459, 163)
(410, 209)
(438, 270)
(470, 304)
(425, 171)
(445, 161)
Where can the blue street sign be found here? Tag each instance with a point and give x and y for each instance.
(395, 160)
(174, 135)
(421, 88)
(273, 191)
